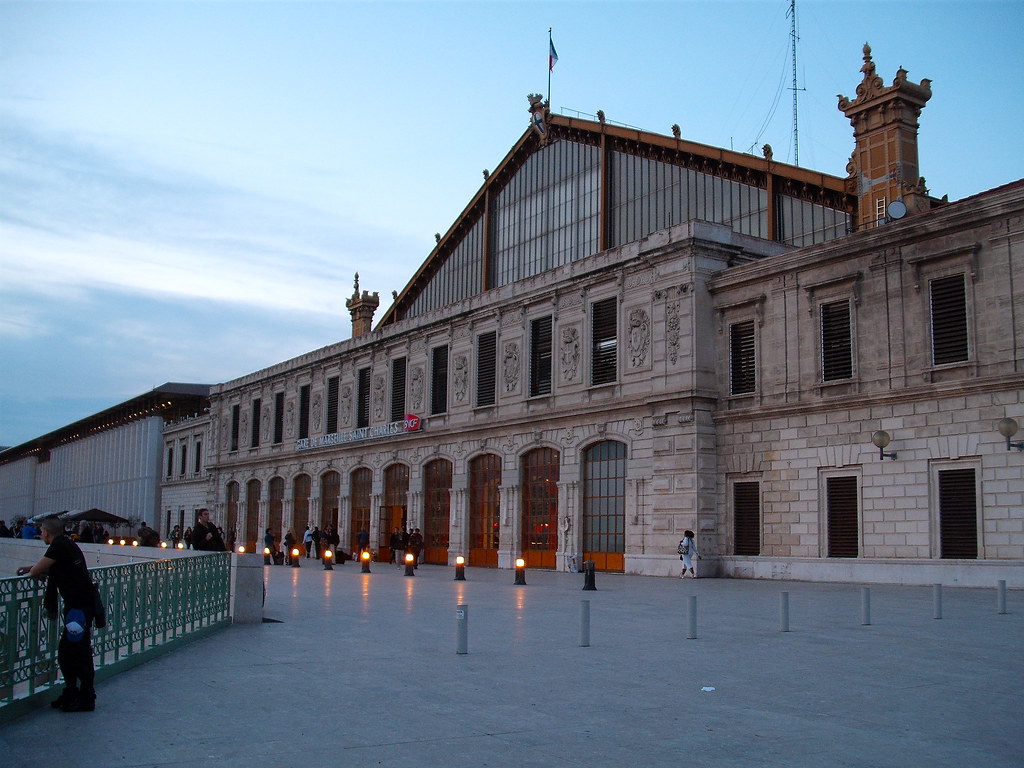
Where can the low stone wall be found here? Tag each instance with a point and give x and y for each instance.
(246, 570)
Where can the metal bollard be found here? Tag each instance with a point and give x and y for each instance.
(865, 606)
(1001, 596)
(364, 557)
(936, 601)
(461, 629)
(784, 612)
(691, 617)
(588, 576)
(295, 558)
(460, 568)
(328, 560)
(520, 572)
(584, 623)
(266, 556)
(410, 564)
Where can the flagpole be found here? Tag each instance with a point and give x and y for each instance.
(550, 46)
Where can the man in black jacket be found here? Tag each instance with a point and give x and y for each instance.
(64, 564)
(205, 536)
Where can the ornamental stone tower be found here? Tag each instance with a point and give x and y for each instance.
(362, 309)
(883, 167)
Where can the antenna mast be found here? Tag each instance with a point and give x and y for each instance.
(793, 36)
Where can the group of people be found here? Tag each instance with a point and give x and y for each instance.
(406, 542)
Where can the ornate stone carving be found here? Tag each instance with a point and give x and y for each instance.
(461, 377)
(416, 388)
(345, 412)
(570, 353)
(639, 335)
(318, 413)
(379, 387)
(672, 331)
(510, 367)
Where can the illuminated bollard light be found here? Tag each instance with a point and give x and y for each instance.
(163, 545)
(111, 542)
(241, 549)
(123, 542)
(266, 556)
(135, 543)
(410, 564)
(520, 572)
(328, 560)
(588, 576)
(181, 545)
(295, 558)
(460, 568)
(364, 557)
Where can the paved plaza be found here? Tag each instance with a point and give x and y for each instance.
(362, 670)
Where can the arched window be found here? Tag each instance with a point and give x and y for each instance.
(437, 492)
(539, 482)
(484, 522)
(362, 485)
(604, 505)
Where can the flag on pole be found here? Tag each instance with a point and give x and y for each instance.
(552, 55)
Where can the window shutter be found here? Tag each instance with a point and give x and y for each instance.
(747, 518)
(304, 411)
(841, 501)
(363, 398)
(836, 347)
(332, 405)
(540, 356)
(958, 515)
(949, 320)
(439, 380)
(398, 389)
(486, 367)
(742, 362)
(604, 349)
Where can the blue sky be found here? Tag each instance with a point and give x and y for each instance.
(187, 188)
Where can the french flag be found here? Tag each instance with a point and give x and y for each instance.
(552, 56)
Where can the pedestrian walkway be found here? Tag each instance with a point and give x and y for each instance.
(362, 670)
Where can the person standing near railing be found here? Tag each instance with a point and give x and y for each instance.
(205, 535)
(64, 564)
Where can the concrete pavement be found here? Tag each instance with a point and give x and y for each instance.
(362, 670)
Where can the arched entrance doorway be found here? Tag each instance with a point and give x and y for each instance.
(437, 492)
(301, 487)
(231, 513)
(253, 489)
(604, 505)
(539, 480)
(275, 510)
(484, 521)
(394, 510)
(361, 486)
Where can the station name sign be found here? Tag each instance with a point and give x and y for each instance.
(410, 423)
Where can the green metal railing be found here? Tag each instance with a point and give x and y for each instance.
(152, 607)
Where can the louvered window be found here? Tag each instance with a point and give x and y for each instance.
(170, 461)
(540, 356)
(332, 405)
(363, 398)
(746, 504)
(236, 412)
(398, 389)
(183, 464)
(958, 514)
(742, 362)
(841, 501)
(278, 417)
(836, 342)
(604, 346)
(198, 457)
(304, 411)
(439, 380)
(486, 367)
(254, 431)
(949, 320)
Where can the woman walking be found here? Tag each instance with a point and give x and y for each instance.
(687, 549)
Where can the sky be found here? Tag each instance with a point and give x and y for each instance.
(188, 188)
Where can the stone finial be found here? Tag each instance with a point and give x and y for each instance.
(362, 307)
(766, 150)
(437, 237)
(487, 174)
(600, 116)
(675, 131)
